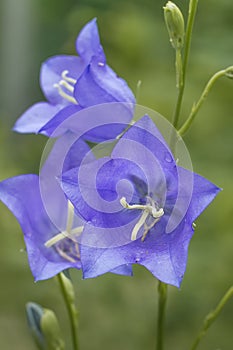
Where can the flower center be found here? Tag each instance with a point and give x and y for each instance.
(65, 250)
(66, 86)
(149, 211)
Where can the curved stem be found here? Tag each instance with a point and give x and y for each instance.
(197, 106)
(189, 29)
(211, 317)
(71, 309)
(162, 290)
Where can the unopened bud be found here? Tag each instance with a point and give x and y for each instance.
(44, 327)
(51, 331)
(34, 315)
(175, 25)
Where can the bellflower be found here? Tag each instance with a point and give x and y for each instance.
(71, 83)
(48, 221)
(138, 206)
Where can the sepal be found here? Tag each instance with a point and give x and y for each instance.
(44, 327)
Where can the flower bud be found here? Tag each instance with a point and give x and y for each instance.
(175, 25)
(34, 314)
(51, 331)
(44, 328)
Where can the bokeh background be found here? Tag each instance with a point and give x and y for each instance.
(120, 312)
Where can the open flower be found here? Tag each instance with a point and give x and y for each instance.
(22, 196)
(48, 220)
(138, 206)
(71, 83)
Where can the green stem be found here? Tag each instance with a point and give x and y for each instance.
(71, 309)
(162, 290)
(197, 105)
(189, 29)
(179, 70)
(211, 317)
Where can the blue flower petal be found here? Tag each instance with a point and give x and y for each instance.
(51, 73)
(88, 43)
(57, 125)
(203, 193)
(35, 117)
(22, 196)
(100, 84)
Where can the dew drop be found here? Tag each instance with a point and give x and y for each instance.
(168, 158)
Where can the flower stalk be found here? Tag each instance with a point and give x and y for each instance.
(188, 36)
(162, 290)
(68, 296)
(211, 317)
(185, 127)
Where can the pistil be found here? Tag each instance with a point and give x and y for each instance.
(148, 210)
(69, 232)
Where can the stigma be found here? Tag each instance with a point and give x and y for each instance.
(70, 233)
(65, 87)
(150, 213)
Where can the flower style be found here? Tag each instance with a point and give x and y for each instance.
(71, 83)
(51, 244)
(138, 206)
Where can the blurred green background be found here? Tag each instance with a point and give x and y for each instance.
(120, 312)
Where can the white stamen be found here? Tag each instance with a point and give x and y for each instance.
(68, 79)
(64, 94)
(101, 64)
(56, 239)
(148, 210)
(67, 83)
(139, 224)
(70, 217)
(65, 256)
(68, 232)
(147, 228)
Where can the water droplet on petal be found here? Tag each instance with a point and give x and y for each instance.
(168, 158)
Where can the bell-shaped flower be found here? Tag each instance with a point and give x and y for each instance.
(71, 83)
(138, 206)
(49, 223)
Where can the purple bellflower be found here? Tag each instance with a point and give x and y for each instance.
(71, 83)
(138, 206)
(51, 237)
